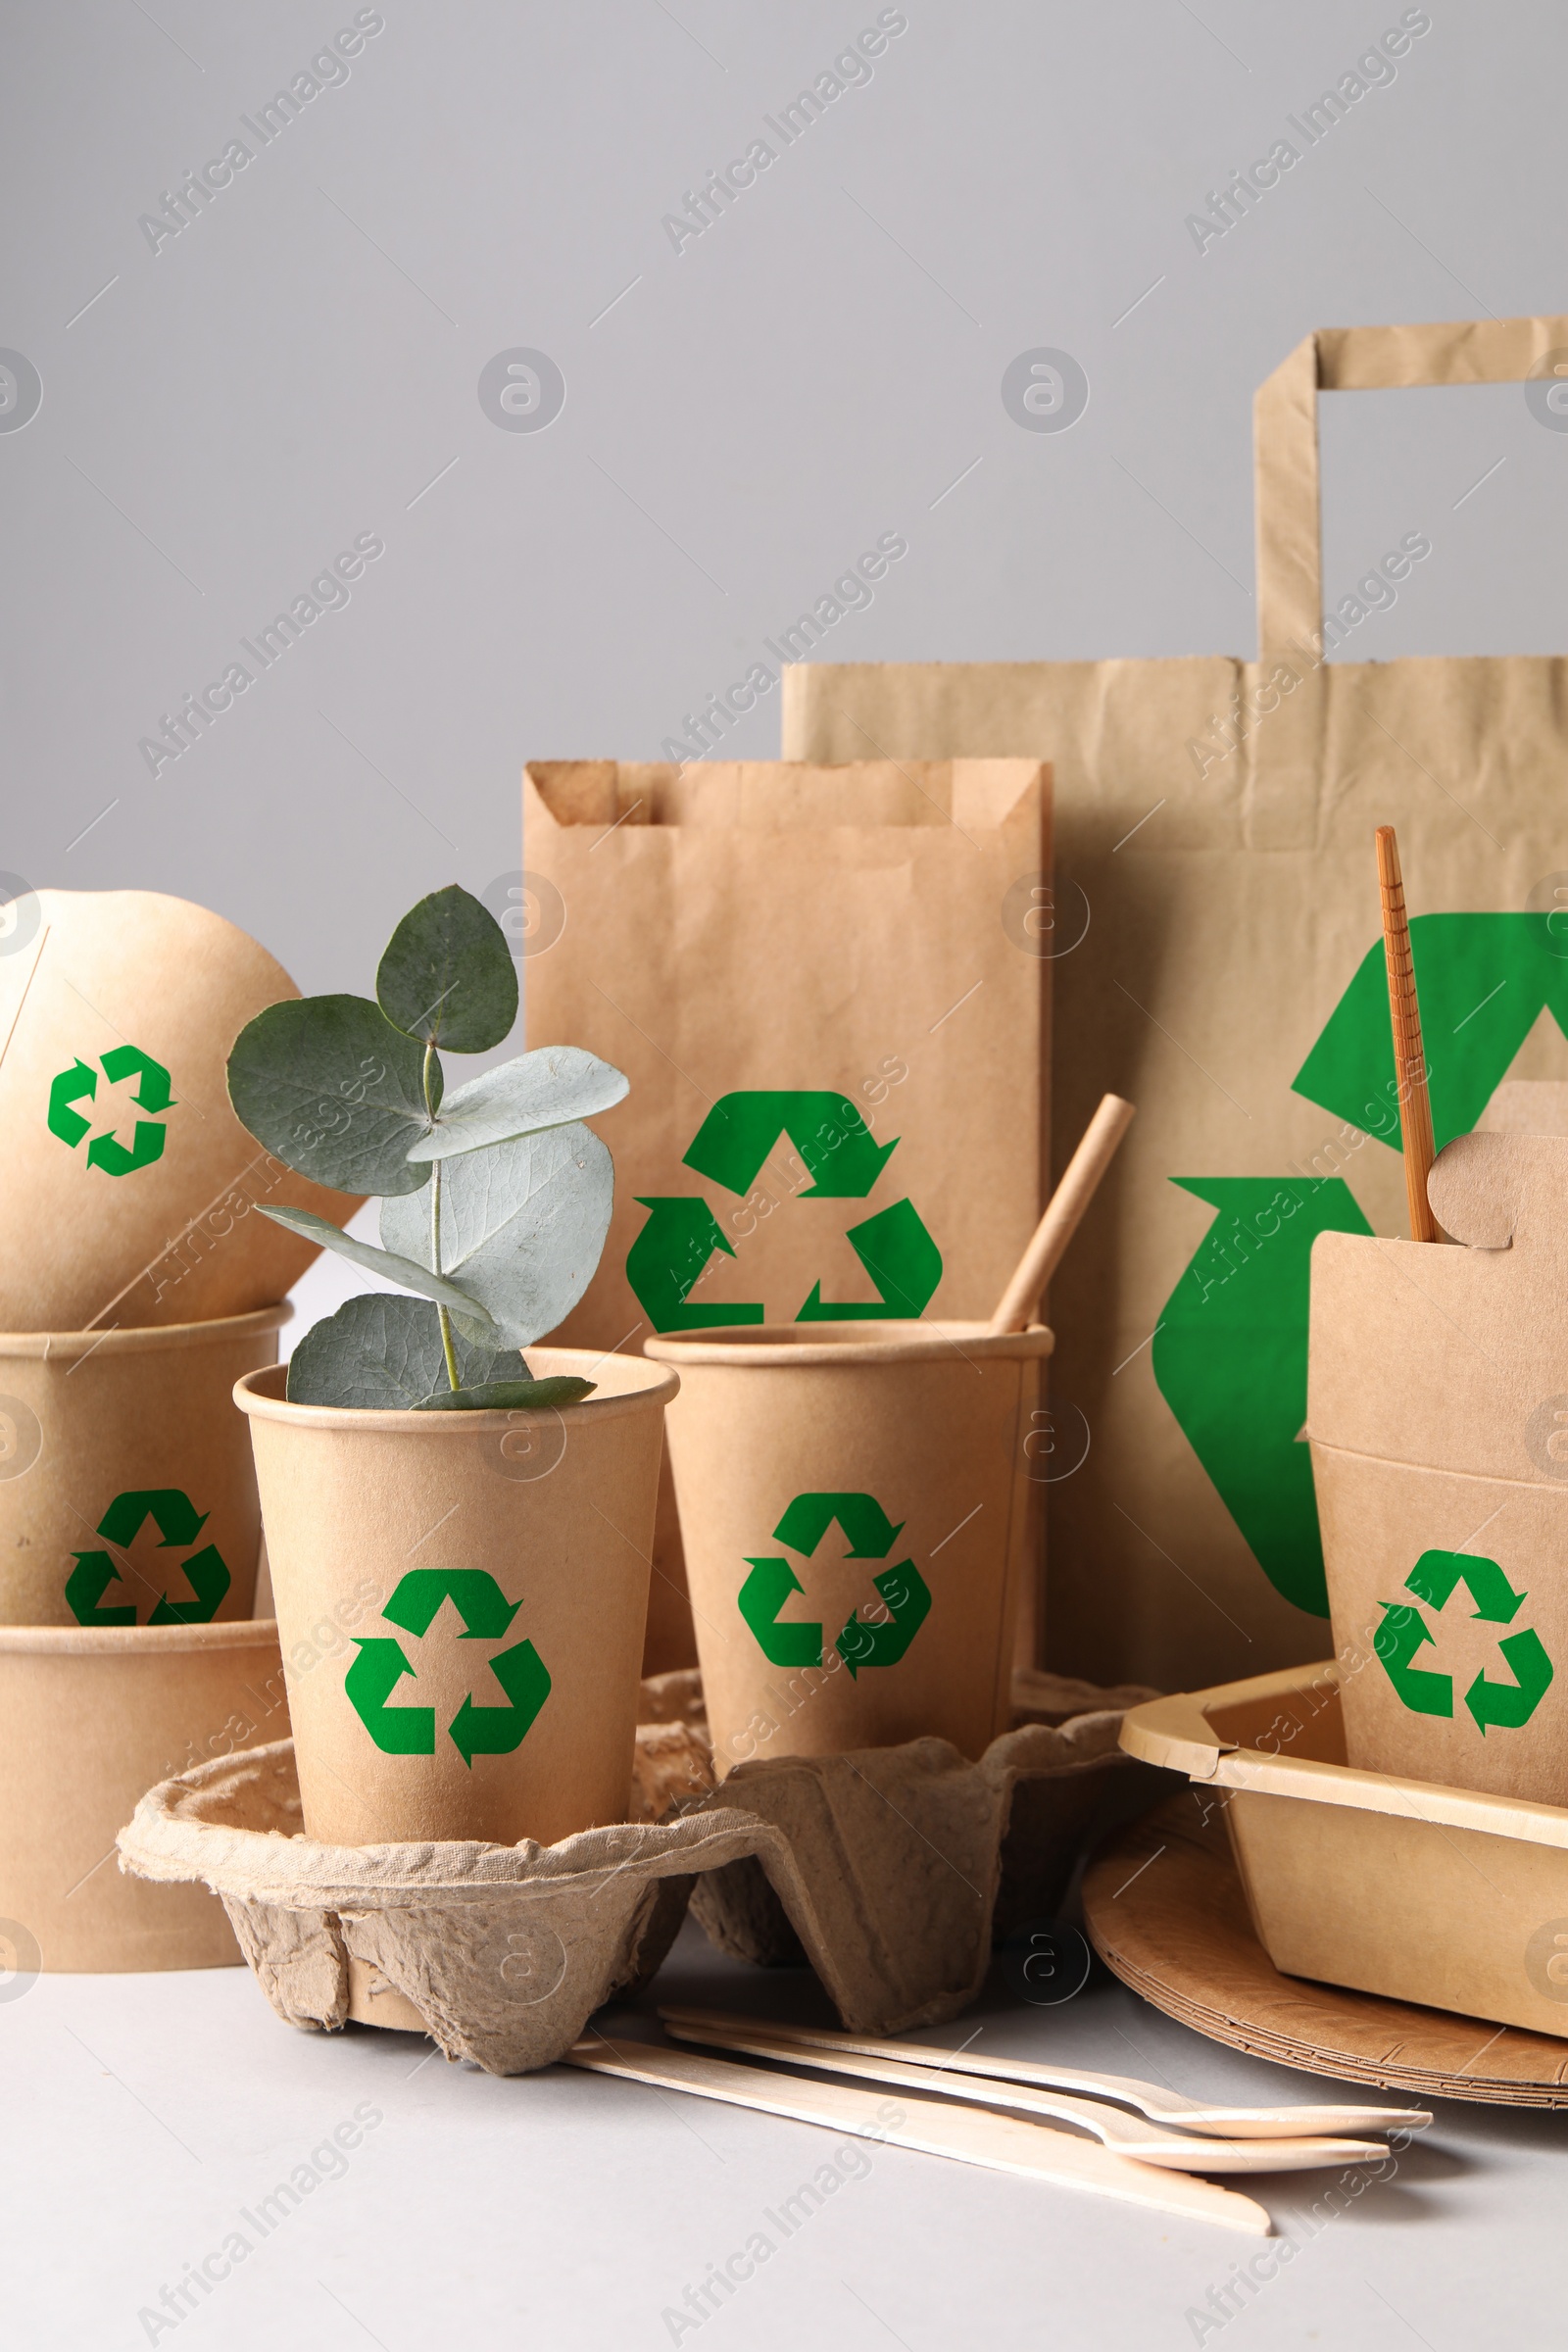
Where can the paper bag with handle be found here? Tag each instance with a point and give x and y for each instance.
(824, 988)
(1218, 960)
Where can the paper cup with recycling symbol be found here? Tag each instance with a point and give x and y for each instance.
(856, 1510)
(495, 1568)
(130, 1189)
(1438, 1414)
(127, 1493)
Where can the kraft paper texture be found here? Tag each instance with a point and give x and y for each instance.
(824, 985)
(127, 1495)
(887, 1867)
(1437, 1416)
(1166, 1909)
(130, 1187)
(485, 1575)
(855, 1505)
(1214, 902)
(88, 1720)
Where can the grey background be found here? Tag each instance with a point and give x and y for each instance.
(742, 418)
(819, 368)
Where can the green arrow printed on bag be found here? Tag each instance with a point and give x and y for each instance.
(381, 1664)
(841, 1155)
(667, 1257)
(1230, 1349)
(673, 1250)
(1230, 1360)
(902, 1260)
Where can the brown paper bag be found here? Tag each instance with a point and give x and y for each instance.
(826, 986)
(1437, 1412)
(129, 1185)
(1217, 957)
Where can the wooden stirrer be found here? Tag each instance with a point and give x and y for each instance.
(1079, 1182)
(1409, 1055)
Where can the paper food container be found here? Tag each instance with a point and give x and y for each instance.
(854, 1507)
(1437, 1416)
(1447, 1896)
(494, 1568)
(130, 1187)
(90, 1719)
(128, 1493)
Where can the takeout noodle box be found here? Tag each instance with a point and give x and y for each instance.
(1437, 1416)
(494, 1567)
(131, 1187)
(90, 1720)
(1451, 1898)
(128, 1493)
(854, 1507)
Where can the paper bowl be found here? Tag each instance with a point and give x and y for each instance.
(128, 1493)
(130, 1189)
(90, 1720)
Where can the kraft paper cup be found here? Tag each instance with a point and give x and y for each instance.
(855, 1505)
(130, 1189)
(127, 1493)
(494, 1567)
(89, 1721)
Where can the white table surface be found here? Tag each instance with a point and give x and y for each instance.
(147, 2116)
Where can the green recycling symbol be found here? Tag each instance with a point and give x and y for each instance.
(1403, 1630)
(871, 1536)
(179, 1523)
(844, 1161)
(1230, 1348)
(79, 1084)
(381, 1664)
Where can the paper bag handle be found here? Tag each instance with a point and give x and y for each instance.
(1285, 446)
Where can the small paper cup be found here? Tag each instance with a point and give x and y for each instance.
(493, 1568)
(855, 1511)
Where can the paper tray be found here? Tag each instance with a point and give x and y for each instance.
(1444, 1896)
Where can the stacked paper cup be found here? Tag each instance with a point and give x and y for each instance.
(137, 1283)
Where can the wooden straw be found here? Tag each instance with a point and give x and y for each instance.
(1066, 1206)
(1409, 1057)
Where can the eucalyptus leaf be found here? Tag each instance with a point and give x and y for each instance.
(384, 1353)
(447, 976)
(548, 1088)
(522, 1225)
(510, 1396)
(405, 1272)
(330, 1088)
